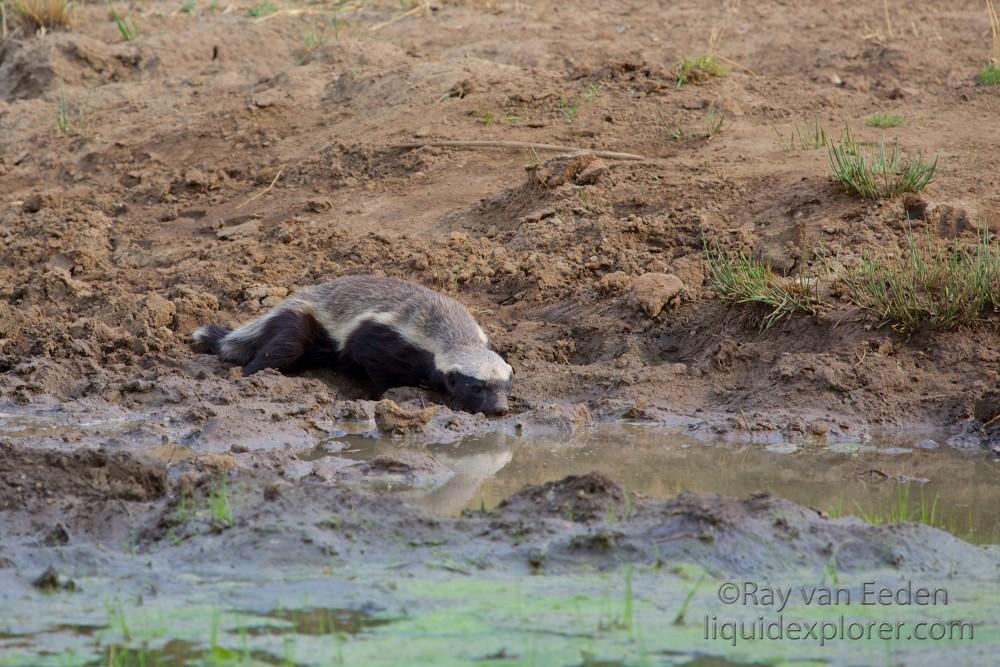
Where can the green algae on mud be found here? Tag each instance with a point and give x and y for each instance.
(625, 616)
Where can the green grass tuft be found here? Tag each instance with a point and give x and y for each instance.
(878, 174)
(222, 513)
(738, 279)
(127, 28)
(262, 8)
(807, 138)
(698, 70)
(880, 119)
(927, 286)
(990, 75)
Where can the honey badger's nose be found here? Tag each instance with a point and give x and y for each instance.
(500, 407)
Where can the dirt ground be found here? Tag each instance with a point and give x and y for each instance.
(203, 170)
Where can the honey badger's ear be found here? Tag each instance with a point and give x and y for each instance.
(449, 381)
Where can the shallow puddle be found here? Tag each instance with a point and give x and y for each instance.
(883, 480)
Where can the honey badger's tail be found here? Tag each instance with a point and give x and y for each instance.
(238, 345)
(210, 337)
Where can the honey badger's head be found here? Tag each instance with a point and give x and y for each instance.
(477, 380)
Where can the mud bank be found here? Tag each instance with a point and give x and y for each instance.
(133, 560)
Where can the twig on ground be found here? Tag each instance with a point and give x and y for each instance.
(422, 7)
(519, 145)
(292, 12)
(265, 190)
(736, 64)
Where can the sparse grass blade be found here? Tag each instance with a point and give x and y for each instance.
(127, 28)
(262, 8)
(883, 120)
(738, 279)
(927, 286)
(698, 70)
(878, 173)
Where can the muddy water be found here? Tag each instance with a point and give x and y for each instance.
(261, 592)
(917, 477)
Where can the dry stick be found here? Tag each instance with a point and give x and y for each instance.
(994, 29)
(264, 191)
(293, 12)
(520, 145)
(736, 64)
(888, 24)
(399, 17)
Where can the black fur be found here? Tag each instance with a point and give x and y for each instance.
(290, 338)
(475, 395)
(213, 335)
(389, 360)
(288, 341)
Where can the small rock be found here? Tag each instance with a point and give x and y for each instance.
(58, 536)
(652, 291)
(926, 444)
(32, 204)
(463, 88)
(138, 386)
(965, 441)
(695, 105)
(901, 92)
(158, 311)
(391, 418)
(246, 229)
(614, 282)
(215, 462)
(51, 581)
(318, 205)
(637, 410)
(819, 427)
(272, 492)
(917, 207)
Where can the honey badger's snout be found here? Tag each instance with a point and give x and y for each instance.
(478, 380)
(395, 332)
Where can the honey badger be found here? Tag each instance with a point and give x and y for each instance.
(396, 332)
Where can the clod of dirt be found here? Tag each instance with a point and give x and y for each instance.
(917, 207)
(563, 417)
(819, 428)
(578, 498)
(652, 291)
(561, 170)
(987, 408)
(58, 536)
(51, 581)
(393, 419)
(32, 204)
(407, 463)
(592, 172)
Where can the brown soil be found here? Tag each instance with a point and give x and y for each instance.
(215, 163)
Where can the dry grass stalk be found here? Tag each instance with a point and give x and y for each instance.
(991, 11)
(43, 14)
